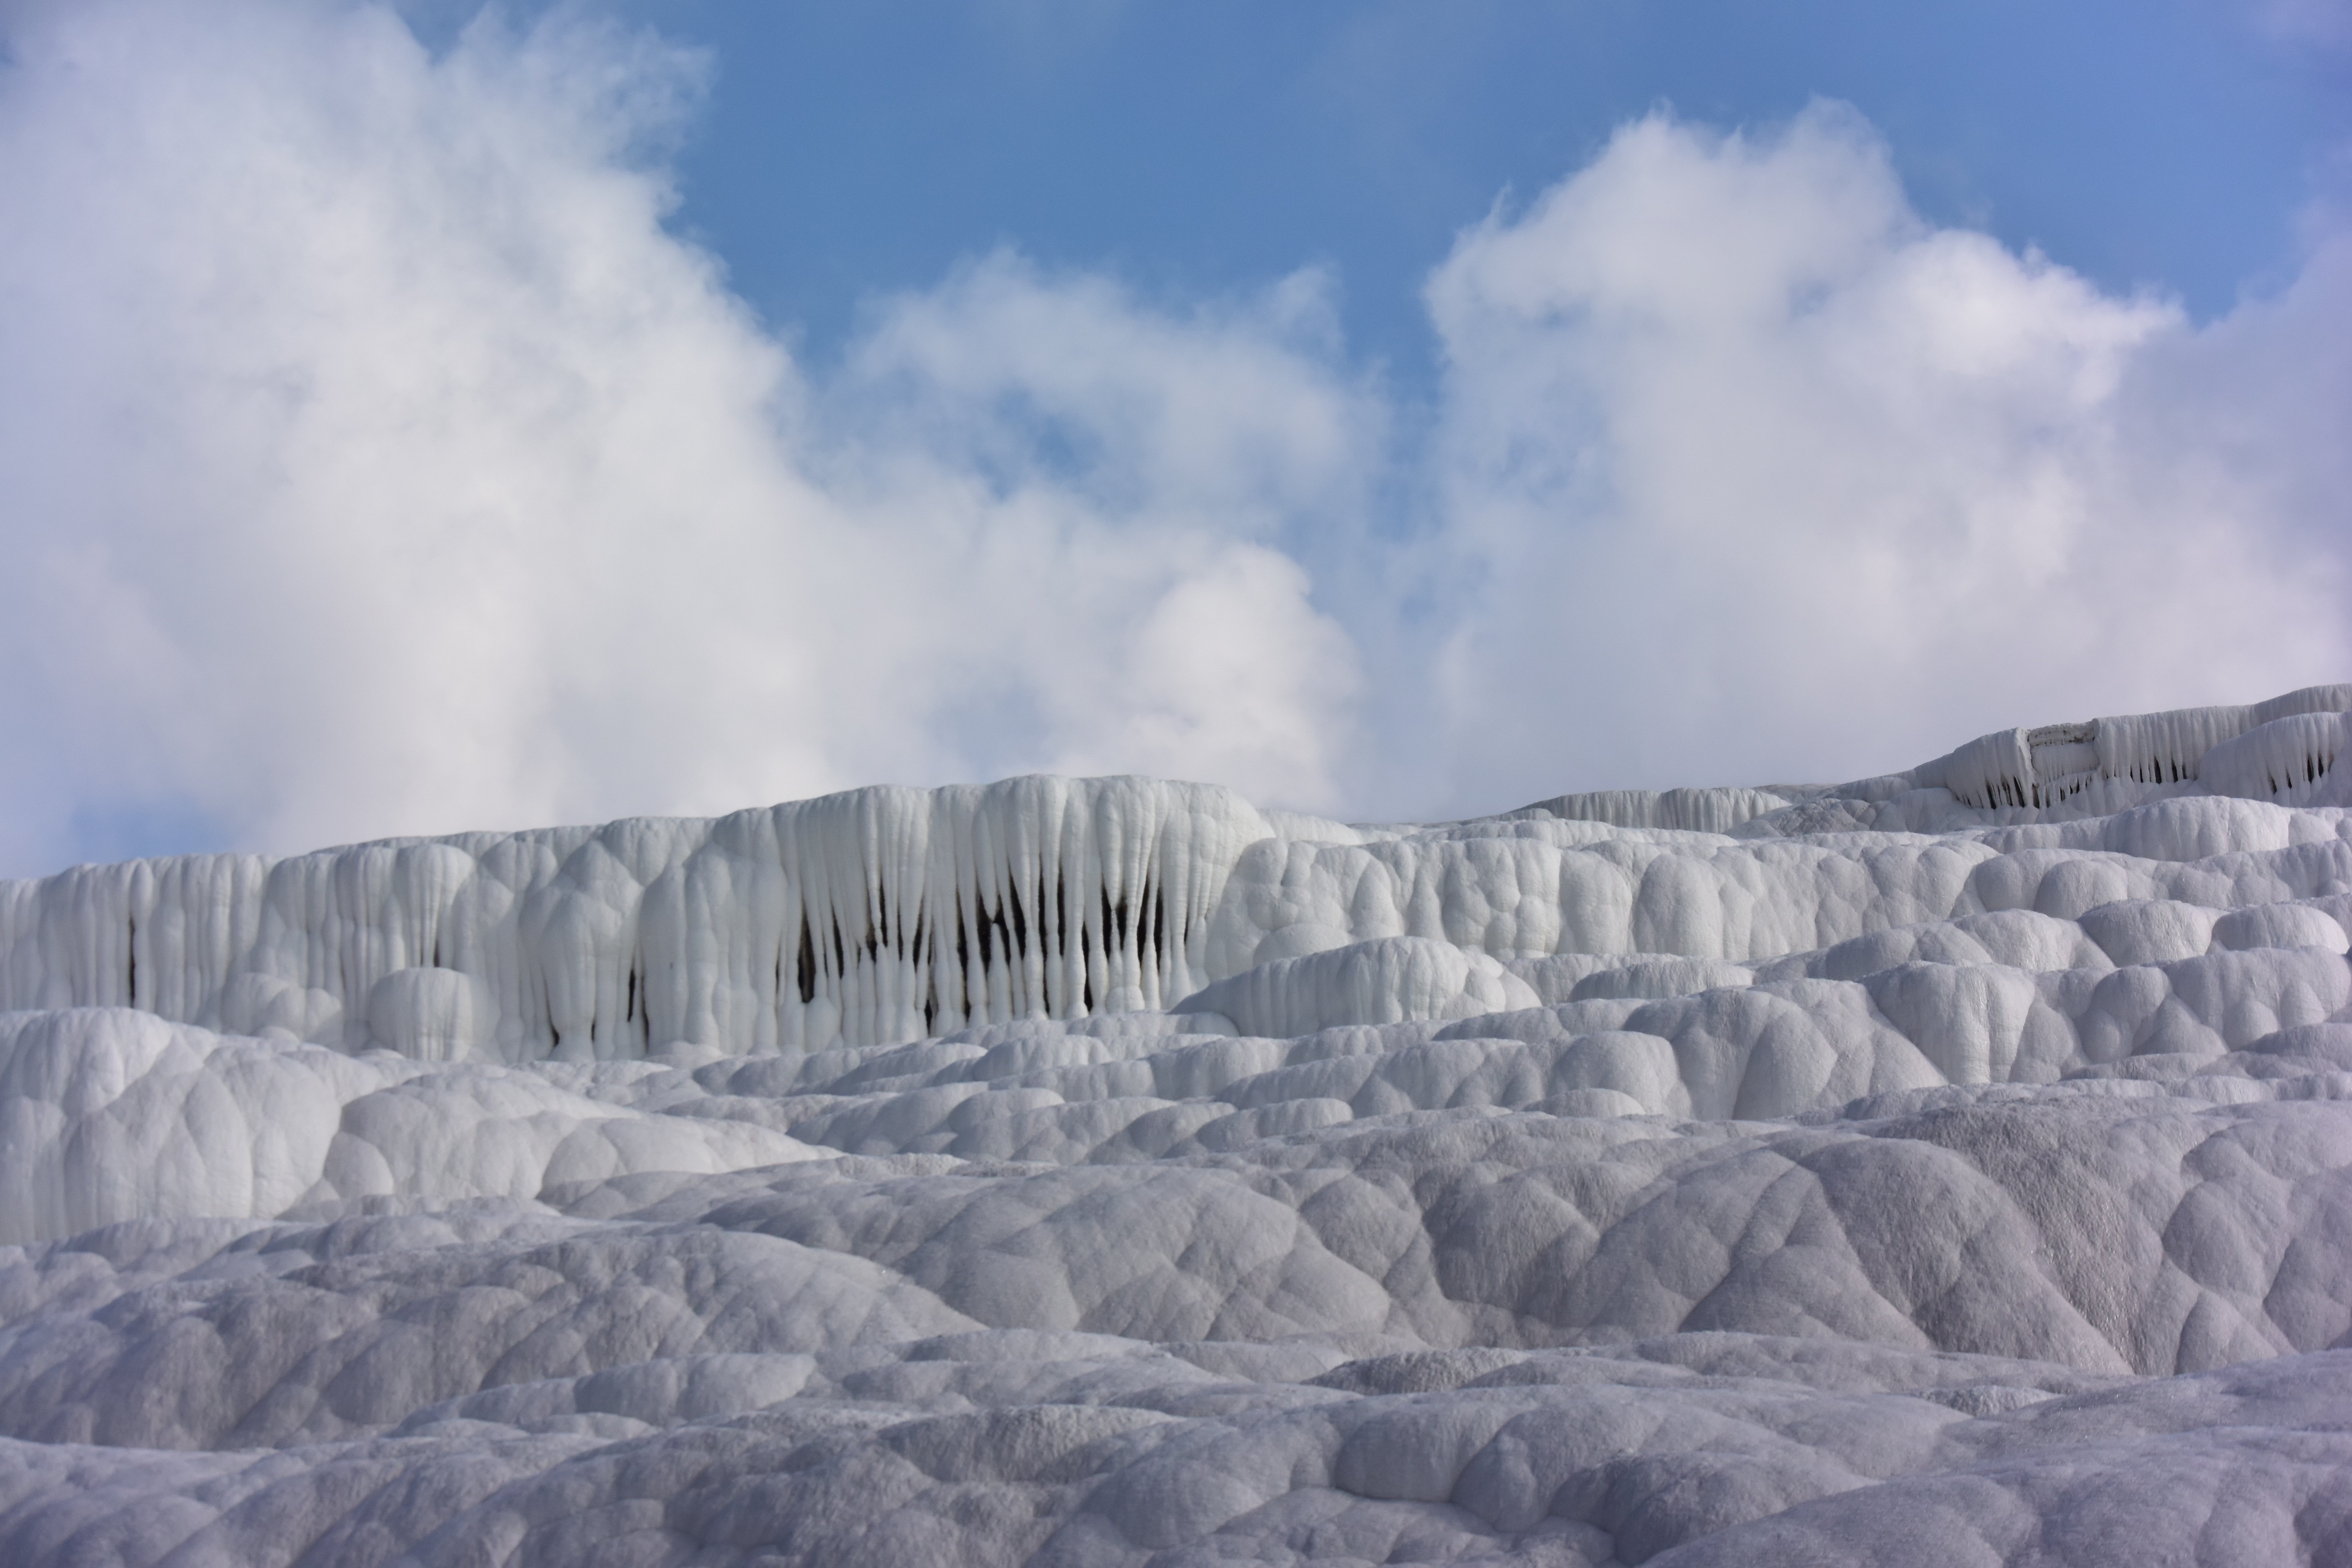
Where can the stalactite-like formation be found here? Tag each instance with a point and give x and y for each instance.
(2047, 767)
(1107, 1172)
(880, 914)
(885, 915)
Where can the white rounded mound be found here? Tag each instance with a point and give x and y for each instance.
(1943, 1167)
(1392, 980)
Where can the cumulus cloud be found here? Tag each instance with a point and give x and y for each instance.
(1124, 499)
(378, 464)
(1748, 466)
(377, 461)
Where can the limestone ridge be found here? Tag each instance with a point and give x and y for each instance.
(885, 915)
(1949, 1168)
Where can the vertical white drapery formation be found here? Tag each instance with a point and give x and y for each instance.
(886, 915)
(2040, 768)
(876, 915)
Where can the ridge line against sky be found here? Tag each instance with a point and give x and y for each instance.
(388, 450)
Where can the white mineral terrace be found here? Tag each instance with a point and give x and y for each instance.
(1948, 1167)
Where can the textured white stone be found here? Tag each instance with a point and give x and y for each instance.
(1950, 1167)
(1392, 980)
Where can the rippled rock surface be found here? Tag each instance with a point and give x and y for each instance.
(1945, 1167)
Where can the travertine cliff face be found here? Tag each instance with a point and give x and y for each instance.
(1949, 1166)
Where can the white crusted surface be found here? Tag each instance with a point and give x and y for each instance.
(1572, 1187)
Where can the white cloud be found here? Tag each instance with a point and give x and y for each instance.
(378, 464)
(375, 462)
(1756, 473)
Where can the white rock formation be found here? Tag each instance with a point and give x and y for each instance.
(1948, 1167)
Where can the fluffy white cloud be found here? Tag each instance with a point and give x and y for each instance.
(375, 462)
(378, 463)
(1112, 493)
(1747, 467)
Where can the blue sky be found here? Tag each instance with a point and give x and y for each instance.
(843, 150)
(414, 418)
